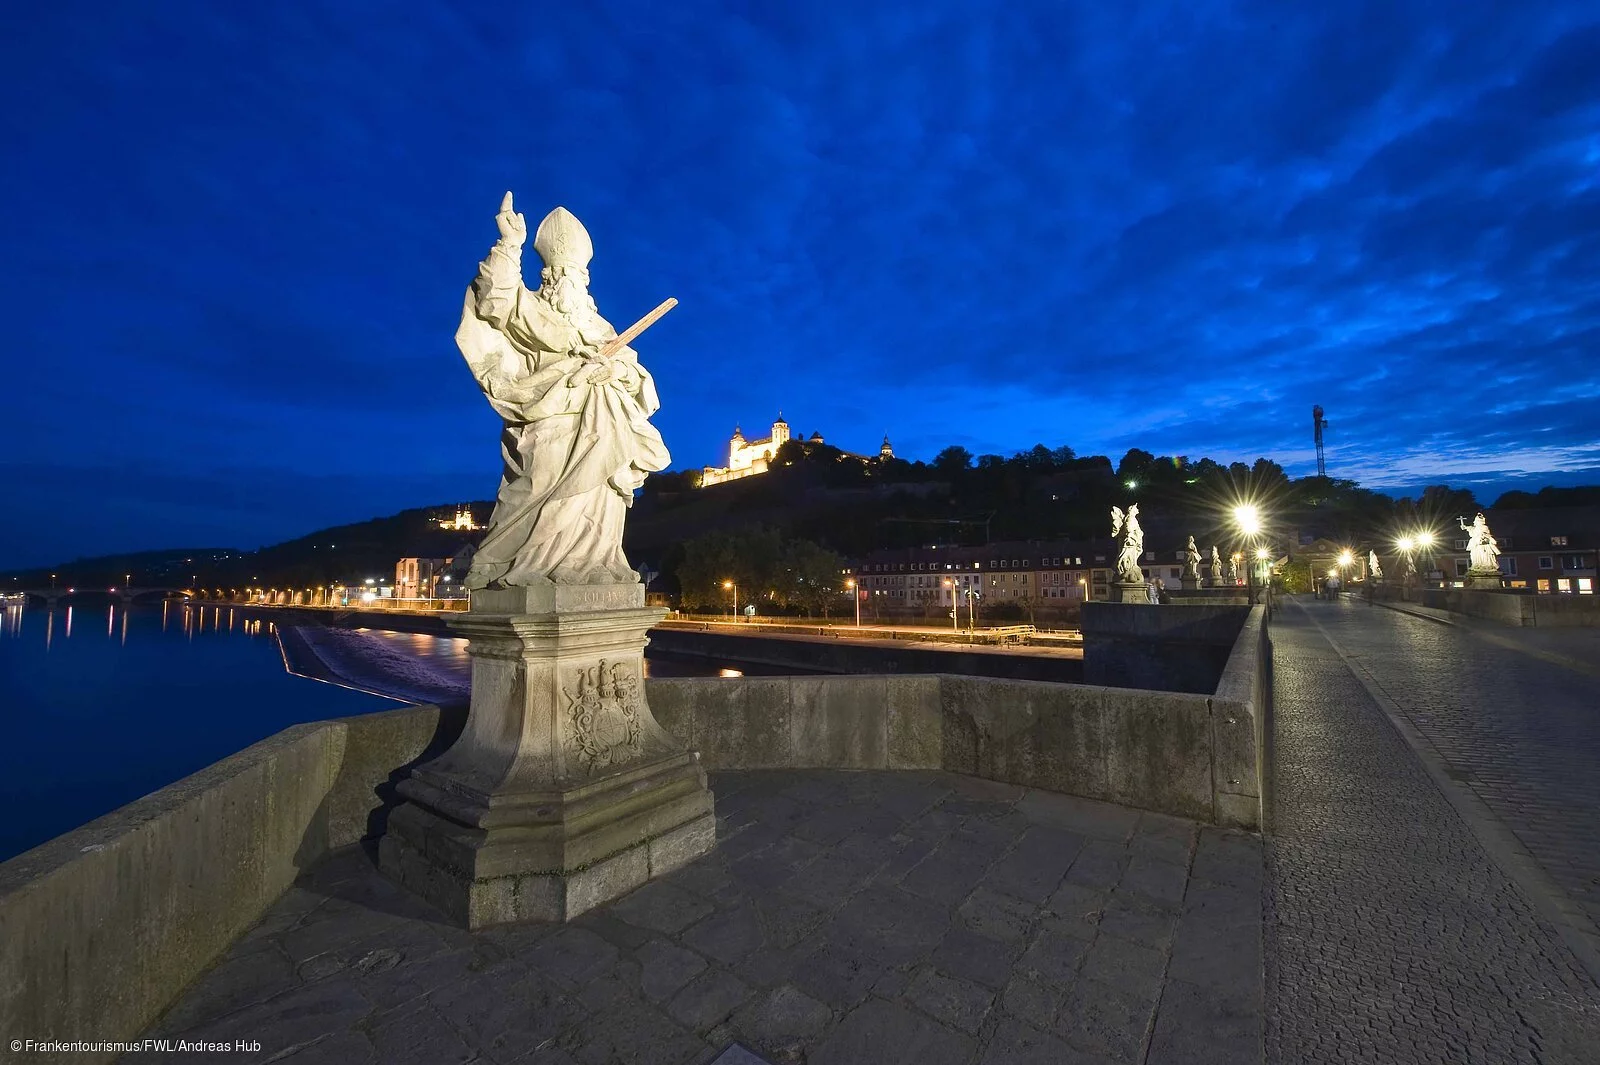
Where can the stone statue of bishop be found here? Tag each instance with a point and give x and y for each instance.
(578, 439)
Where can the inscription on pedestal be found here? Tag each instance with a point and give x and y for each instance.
(603, 702)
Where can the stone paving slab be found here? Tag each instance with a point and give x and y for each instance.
(846, 917)
(1393, 935)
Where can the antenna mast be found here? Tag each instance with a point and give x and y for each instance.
(1319, 423)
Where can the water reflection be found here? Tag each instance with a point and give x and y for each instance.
(94, 723)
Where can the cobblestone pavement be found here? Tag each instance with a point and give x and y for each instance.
(845, 918)
(1576, 648)
(1520, 733)
(1392, 935)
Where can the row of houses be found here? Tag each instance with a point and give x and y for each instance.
(1038, 574)
(1551, 551)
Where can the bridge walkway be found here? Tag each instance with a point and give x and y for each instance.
(1433, 872)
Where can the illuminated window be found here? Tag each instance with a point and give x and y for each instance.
(1558, 541)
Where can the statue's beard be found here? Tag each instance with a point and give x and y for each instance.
(567, 295)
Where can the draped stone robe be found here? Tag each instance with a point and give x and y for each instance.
(573, 451)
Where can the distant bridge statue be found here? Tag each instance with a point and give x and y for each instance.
(1482, 547)
(1483, 571)
(1131, 544)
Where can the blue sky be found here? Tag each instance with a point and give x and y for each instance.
(237, 238)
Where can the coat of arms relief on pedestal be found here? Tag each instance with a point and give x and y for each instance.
(604, 702)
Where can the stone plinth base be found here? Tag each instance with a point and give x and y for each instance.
(1122, 592)
(563, 792)
(482, 877)
(1190, 583)
(1492, 581)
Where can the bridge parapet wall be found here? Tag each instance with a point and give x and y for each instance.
(1517, 608)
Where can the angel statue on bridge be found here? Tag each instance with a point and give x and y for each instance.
(1131, 544)
(576, 405)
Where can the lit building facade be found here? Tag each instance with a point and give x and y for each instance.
(1036, 575)
(463, 521)
(746, 458)
(749, 458)
(420, 578)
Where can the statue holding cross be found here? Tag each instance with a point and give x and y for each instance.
(576, 404)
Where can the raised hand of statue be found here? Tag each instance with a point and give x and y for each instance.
(513, 227)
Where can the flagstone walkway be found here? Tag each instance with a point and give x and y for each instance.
(845, 918)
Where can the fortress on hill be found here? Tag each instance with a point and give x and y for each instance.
(746, 458)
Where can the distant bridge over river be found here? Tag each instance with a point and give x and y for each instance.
(51, 596)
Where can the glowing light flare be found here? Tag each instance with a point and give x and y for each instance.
(1346, 558)
(1248, 518)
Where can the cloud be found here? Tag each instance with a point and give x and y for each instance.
(1174, 226)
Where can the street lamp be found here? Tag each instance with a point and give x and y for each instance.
(1248, 517)
(735, 586)
(955, 611)
(1425, 541)
(851, 584)
(1407, 545)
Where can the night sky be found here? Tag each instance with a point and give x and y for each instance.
(236, 238)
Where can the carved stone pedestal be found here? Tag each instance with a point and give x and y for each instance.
(1122, 592)
(1490, 580)
(1190, 584)
(563, 792)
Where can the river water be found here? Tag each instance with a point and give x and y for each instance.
(101, 704)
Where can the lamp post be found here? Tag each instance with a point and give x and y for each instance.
(856, 595)
(1406, 545)
(735, 586)
(1248, 518)
(955, 609)
(1425, 542)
